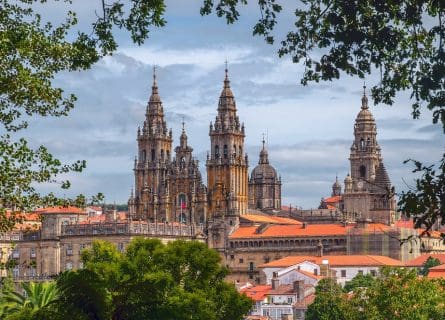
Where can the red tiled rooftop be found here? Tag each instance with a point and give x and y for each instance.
(334, 199)
(305, 302)
(335, 260)
(257, 293)
(437, 272)
(420, 260)
(269, 219)
(290, 231)
(60, 210)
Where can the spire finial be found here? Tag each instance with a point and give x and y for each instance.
(264, 142)
(364, 98)
(226, 79)
(155, 85)
(183, 124)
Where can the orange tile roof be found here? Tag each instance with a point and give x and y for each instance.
(257, 293)
(269, 219)
(437, 272)
(330, 207)
(275, 231)
(420, 260)
(334, 199)
(310, 274)
(60, 210)
(335, 260)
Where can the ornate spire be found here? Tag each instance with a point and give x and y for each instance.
(226, 99)
(364, 98)
(264, 157)
(183, 138)
(154, 88)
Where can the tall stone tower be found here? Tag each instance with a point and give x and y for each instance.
(151, 199)
(264, 184)
(227, 177)
(368, 191)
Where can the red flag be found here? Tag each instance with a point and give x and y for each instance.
(182, 205)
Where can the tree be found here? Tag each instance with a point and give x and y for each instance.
(401, 41)
(359, 281)
(37, 297)
(396, 293)
(32, 53)
(180, 280)
(329, 303)
(429, 263)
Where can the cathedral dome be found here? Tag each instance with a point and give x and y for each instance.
(264, 170)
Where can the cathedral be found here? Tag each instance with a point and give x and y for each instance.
(169, 187)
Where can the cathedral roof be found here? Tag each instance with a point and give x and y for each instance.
(381, 177)
(264, 170)
(154, 103)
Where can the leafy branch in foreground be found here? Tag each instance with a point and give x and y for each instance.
(32, 53)
(401, 41)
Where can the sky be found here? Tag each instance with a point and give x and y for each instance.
(309, 129)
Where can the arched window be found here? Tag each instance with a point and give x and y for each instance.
(152, 154)
(144, 155)
(168, 155)
(182, 162)
(362, 144)
(225, 151)
(362, 171)
(368, 141)
(234, 150)
(216, 152)
(182, 201)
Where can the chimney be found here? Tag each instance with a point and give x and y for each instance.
(263, 227)
(304, 225)
(324, 268)
(275, 281)
(299, 289)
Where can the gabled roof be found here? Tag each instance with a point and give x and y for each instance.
(257, 293)
(336, 261)
(279, 231)
(420, 260)
(437, 272)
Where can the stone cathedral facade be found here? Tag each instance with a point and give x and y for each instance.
(169, 186)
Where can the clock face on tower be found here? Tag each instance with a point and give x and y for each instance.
(360, 185)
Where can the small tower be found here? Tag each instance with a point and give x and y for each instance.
(336, 188)
(264, 184)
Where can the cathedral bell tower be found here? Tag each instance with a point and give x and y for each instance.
(368, 190)
(151, 164)
(227, 177)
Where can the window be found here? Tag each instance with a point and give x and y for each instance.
(368, 141)
(33, 253)
(216, 152)
(144, 156)
(153, 154)
(362, 171)
(69, 250)
(289, 300)
(232, 257)
(343, 273)
(251, 266)
(16, 254)
(120, 246)
(81, 247)
(362, 144)
(16, 272)
(316, 272)
(360, 272)
(225, 151)
(240, 150)
(162, 154)
(241, 260)
(182, 201)
(373, 273)
(234, 150)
